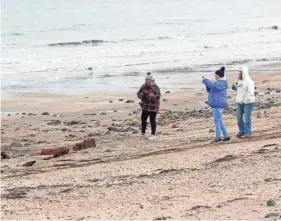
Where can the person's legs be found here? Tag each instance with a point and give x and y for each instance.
(144, 116)
(239, 116)
(152, 118)
(217, 114)
(248, 109)
(223, 127)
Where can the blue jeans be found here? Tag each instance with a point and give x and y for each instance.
(217, 113)
(245, 111)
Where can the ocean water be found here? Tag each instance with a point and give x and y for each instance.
(47, 45)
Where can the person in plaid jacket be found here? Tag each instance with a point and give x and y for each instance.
(150, 95)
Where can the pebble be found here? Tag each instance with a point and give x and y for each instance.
(28, 164)
(129, 102)
(270, 202)
(45, 113)
(16, 144)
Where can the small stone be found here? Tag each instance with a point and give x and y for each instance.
(275, 27)
(164, 100)
(16, 144)
(54, 122)
(72, 135)
(82, 131)
(229, 97)
(64, 129)
(278, 91)
(135, 132)
(211, 131)
(48, 158)
(174, 126)
(41, 141)
(267, 92)
(270, 202)
(121, 99)
(167, 92)
(129, 102)
(5, 155)
(111, 101)
(28, 164)
(103, 113)
(115, 111)
(45, 113)
(9, 115)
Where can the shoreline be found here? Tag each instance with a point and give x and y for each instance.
(168, 80)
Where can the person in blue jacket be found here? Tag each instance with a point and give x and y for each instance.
(217, 100)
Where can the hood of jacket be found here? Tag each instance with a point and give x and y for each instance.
(246, 75)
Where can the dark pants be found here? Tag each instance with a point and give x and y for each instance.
(152, 118)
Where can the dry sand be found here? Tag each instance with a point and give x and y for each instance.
(179, 176)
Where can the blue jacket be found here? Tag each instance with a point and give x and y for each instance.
(217, 93)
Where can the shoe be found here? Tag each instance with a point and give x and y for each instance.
(152, 137)
(216, 140)
(239, 135)
(141, 136)
(226, 139)
(247, 136)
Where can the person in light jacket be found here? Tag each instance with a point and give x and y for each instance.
(218, 101)
(245, 100)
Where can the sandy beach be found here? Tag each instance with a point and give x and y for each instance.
(178, 176)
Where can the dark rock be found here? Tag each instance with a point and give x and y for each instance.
(31, 114)
(64, 129)
(229, 97)
(41, 141)
(16, 144)
(269, 215)
(110, 101)
(54, 122)
(103, 113)
(82, 131)
(45, 113)
(278, 91)
(164, 100)
(212, 131)
(267, 92)
(23, 113)
(270, 202)
(9, 115)
(167, 92)
(5, 155)
(72, 135)
(121, 99)
(130, 114)
(256, 93)
(275, 27)
(129, 102)
(135, 132)
(73, 122)
(115, 129)
(28, 164)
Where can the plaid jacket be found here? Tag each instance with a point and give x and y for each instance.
(149, 103)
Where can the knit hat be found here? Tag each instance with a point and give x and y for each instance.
(220, 72)
(149, 77)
